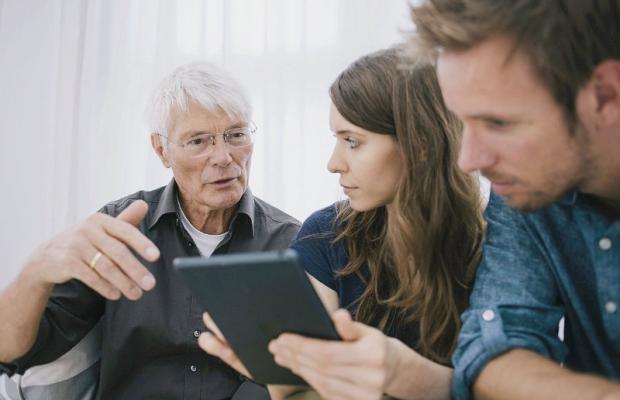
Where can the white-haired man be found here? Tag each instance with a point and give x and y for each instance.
(116, 265)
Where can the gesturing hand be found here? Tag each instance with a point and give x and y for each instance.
(97, 252)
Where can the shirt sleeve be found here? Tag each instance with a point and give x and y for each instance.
(515, 301)
(314, 246)
(72, 311)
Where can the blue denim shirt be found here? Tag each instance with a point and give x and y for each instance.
(562, 261)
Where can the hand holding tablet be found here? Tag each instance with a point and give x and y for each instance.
(253, 298)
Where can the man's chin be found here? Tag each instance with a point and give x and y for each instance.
(223, 199)
(530, 202)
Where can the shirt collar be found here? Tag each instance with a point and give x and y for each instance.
(247, 208)
(570, 198)
(167, 205)
(577, 199)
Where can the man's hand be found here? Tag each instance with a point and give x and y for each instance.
(359, 367)
(74, 254)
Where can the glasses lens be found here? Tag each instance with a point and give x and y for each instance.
(203, 144)
(197, 145)
(239, 137)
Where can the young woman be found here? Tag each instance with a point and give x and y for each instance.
(400, 255)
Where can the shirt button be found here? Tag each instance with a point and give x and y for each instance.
(611, 307)
(193, 368)
(196, 333)
(604, 243)
(488, 315)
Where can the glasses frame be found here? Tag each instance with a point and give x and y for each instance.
(212, 137)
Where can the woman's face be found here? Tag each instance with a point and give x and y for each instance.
(369, 163)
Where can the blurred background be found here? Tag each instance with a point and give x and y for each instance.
(75, 76)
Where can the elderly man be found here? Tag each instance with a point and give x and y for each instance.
(116, 266)
(537, 86)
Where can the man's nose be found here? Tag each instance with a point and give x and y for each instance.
(220, 152)
(474, 154)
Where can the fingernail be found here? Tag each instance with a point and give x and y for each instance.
(152, 253)
(136, 292)
(147, 282)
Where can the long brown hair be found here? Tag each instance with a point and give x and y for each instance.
(422, 254)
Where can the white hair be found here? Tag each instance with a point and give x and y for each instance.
(204, 83)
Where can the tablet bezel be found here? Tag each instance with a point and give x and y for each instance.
(266, 293)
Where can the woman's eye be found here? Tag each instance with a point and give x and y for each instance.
(353, 143)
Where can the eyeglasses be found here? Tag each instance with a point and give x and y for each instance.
(203, 144)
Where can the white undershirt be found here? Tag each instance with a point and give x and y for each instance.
(206, 243)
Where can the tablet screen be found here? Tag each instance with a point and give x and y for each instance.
(253, 298)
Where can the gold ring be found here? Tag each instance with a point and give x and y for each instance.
(95, 259)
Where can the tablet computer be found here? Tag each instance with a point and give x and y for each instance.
(253, 298)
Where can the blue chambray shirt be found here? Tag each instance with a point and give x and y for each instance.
(562, 261)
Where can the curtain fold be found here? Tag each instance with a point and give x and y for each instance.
(75, 76)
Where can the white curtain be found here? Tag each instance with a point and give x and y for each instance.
(75, 76)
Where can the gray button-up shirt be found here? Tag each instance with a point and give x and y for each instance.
(149, 347)
(562, 261)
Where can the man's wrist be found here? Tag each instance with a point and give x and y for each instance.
(30, 277)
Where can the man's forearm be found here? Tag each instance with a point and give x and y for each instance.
(522, 374)
(22, 304)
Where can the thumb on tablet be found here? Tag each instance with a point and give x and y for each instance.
(212, 327)
(348, 329)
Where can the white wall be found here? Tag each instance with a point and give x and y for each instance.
(75, 75)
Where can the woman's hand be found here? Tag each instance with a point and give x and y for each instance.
(359, 367)
(215, 344)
